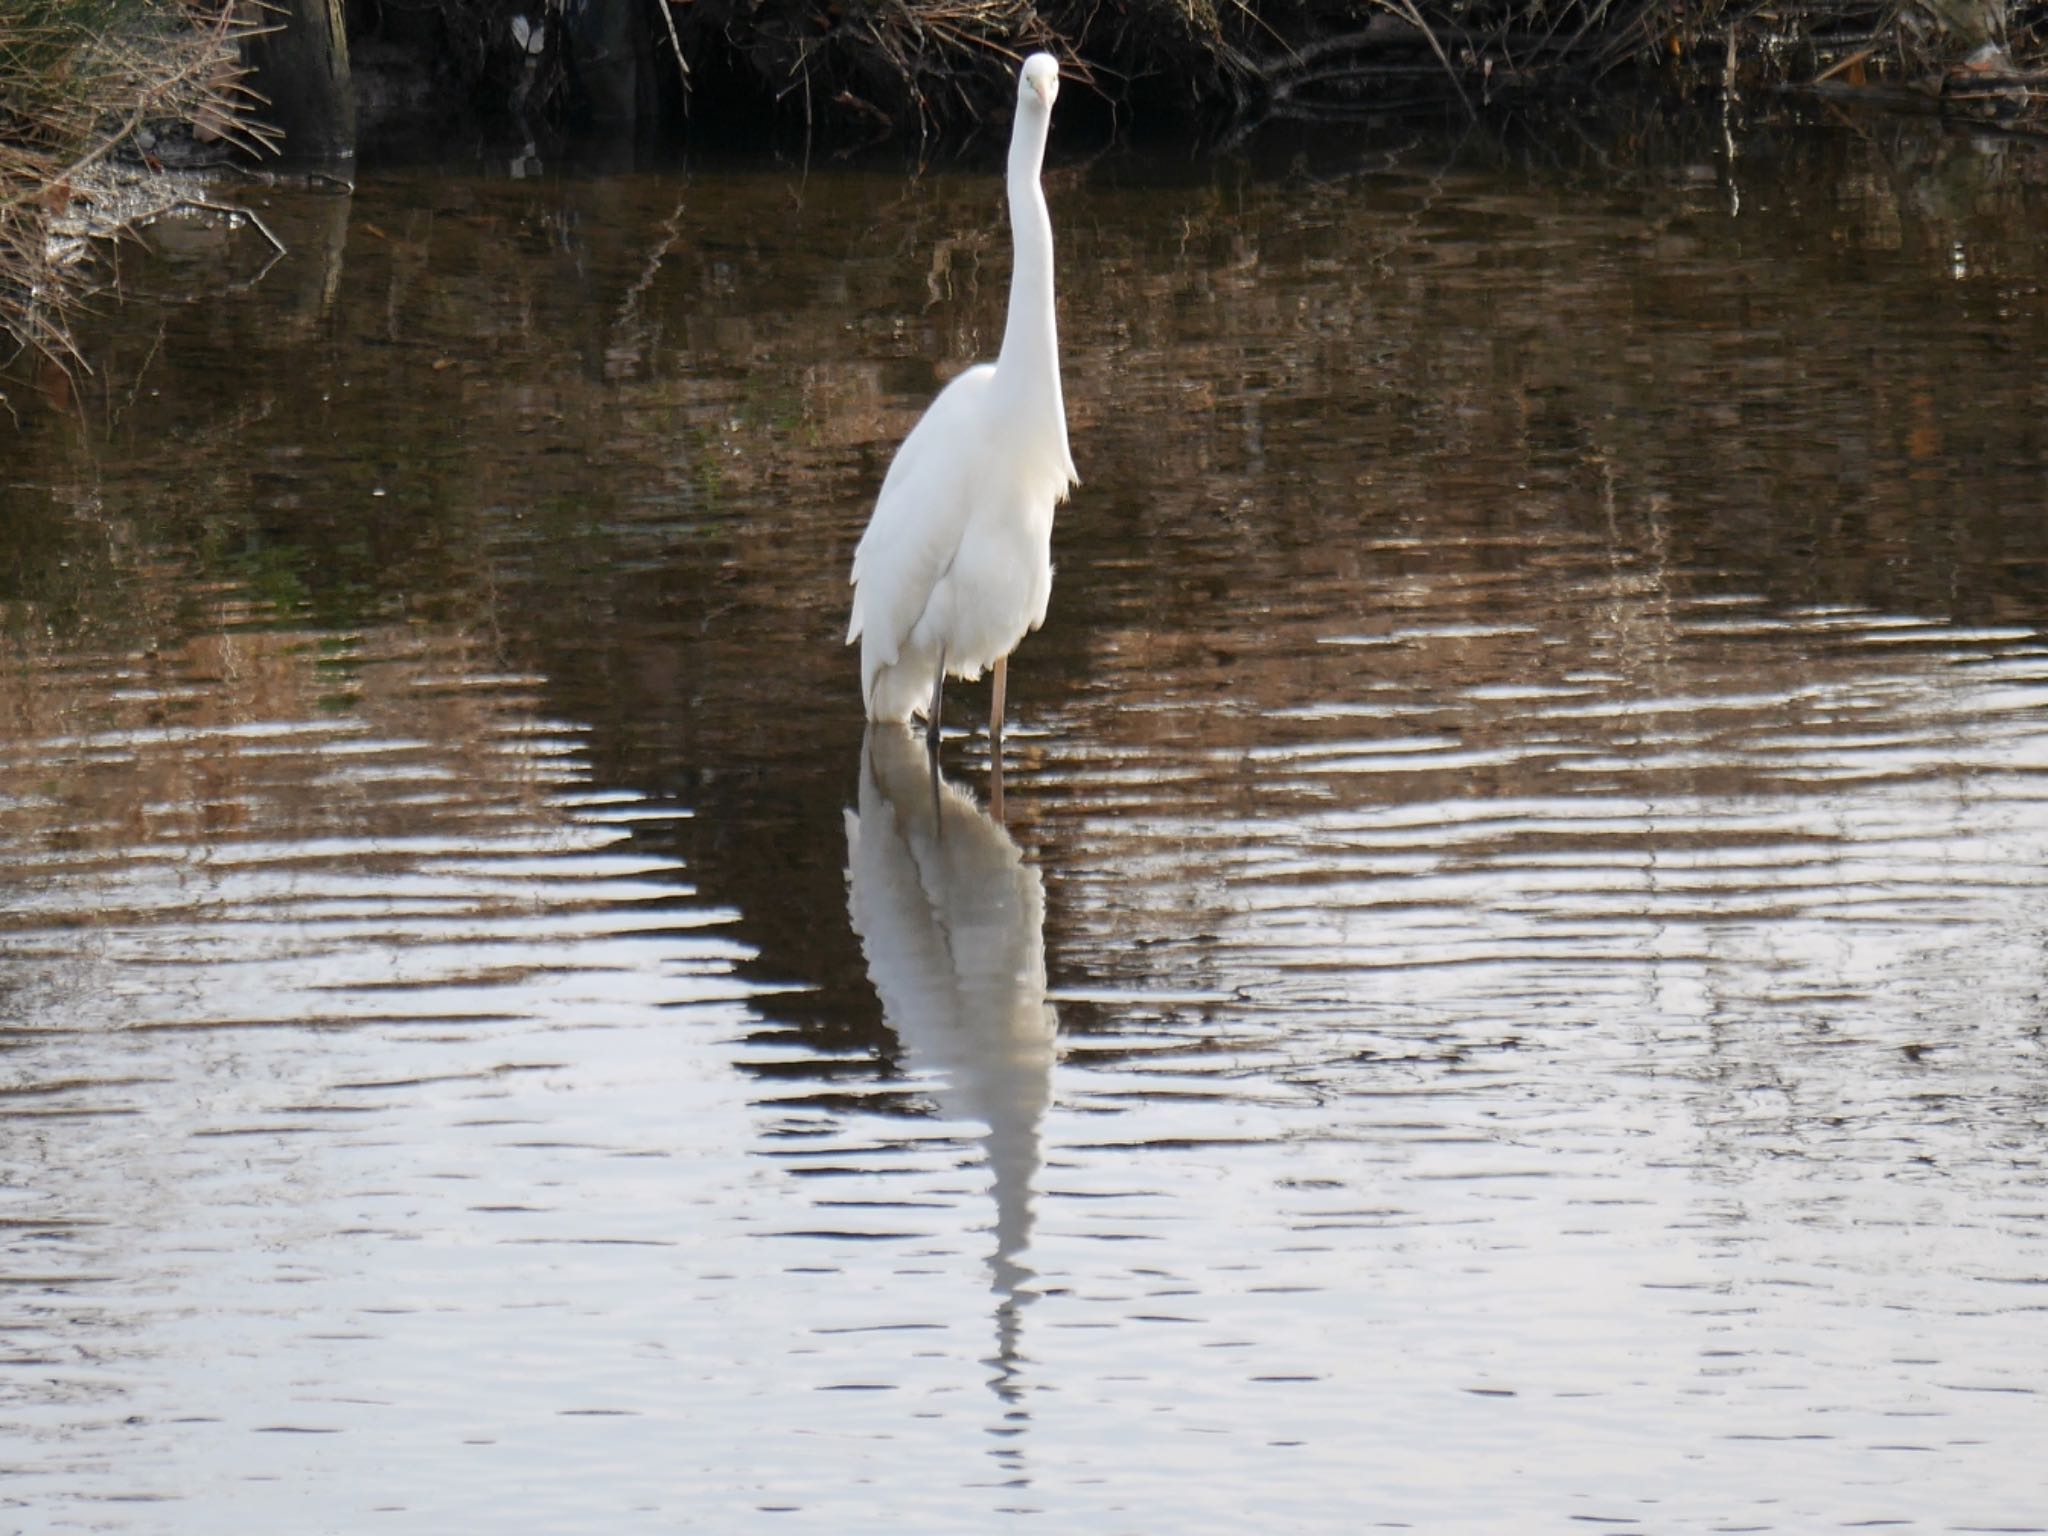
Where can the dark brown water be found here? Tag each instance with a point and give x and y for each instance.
(1507, 992)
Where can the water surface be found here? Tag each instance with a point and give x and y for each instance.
(1505, 992)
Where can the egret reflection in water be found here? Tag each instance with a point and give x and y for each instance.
(951, 919)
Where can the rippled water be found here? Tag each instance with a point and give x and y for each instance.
(1505, 992)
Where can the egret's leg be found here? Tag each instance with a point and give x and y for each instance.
(995, 786)
(931, 716)
(995, 707)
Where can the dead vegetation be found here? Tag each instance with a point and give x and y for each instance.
(849, 71)
(94, 95)
(941, 65)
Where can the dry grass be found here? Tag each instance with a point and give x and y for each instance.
(945, 65)
(85, 86)
(1324, 59)
(870, 67)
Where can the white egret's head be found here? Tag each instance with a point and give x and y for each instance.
(1041, 79)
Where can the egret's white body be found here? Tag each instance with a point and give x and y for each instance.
(956, 565)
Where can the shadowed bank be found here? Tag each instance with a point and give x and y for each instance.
(115, 114)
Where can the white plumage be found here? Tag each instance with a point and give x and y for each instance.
(956, 565)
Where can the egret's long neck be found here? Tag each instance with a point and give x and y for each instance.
(1030, 360)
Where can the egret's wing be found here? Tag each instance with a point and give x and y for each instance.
(921, 514)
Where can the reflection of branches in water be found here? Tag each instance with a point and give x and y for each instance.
(633, 337)
(208, 736)
(1239, 353)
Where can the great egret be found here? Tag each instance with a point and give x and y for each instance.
(956, 565)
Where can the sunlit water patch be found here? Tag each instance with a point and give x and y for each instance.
(1668, 1051)
(339, 1045)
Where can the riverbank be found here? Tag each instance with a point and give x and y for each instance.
(105, 104)
(848, 74)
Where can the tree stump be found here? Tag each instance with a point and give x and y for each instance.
(301, 70)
